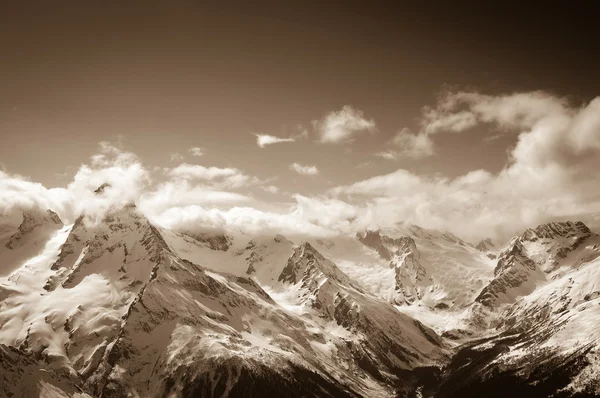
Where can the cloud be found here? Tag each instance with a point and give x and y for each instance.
(174, 157)
(270, 189)
(262, 140)
(183, 193)
(307, 217)
(549, 129)
(343, 125)
(124, 173)
(406, 144)
(363, 165)
(196, 151)
(18, 193)
(550, 172)
(216, 177)
(302, 169)
(388, 155)
(457, 112)
(492, 138)
(302, 132)
(189, 171)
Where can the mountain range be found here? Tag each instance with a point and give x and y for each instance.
(120, 307)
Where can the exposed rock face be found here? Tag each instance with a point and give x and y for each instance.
(100, 190)
(411, 276)
(216, 241)
(404, 257)
(485, 245)
(384, 245)
(23, 376)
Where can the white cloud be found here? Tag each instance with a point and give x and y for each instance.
(305, 170)
(175, 157)
(216, 177)
(196, 151)
(388, 155)
(492, 138)
(306, 217)
(182, 193)
(18, 193)
(190, 171)
(551, 171)
(263, 140)
(406, 144)
(343, 125)
(270, 189)
(302, 132)
(124, 173)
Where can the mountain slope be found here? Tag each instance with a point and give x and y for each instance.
(27, 240)
(189, 327)
(539, 255)
(23, 376)
(386, 342)
(548, 340)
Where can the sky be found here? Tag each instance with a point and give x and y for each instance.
(317, 117)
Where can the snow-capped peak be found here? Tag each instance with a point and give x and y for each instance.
(552, 230)
(305, 260)
(33, 219)
(538, 255)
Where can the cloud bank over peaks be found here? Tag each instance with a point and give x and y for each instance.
(551, 171)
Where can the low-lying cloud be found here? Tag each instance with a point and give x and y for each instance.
(551, 171)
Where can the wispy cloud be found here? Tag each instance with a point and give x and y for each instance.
(221, 178)
(492, 138)
(406, 144)
(304, 169)
(387, 155)
(175, 157)
(270, 188)
(364, 164)
(262, 140)
(196, 151)
(343, 125)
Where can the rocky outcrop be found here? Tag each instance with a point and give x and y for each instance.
(485, 245)
(402, 253)
(214, 241)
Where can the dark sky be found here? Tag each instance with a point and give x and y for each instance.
(170, 75)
